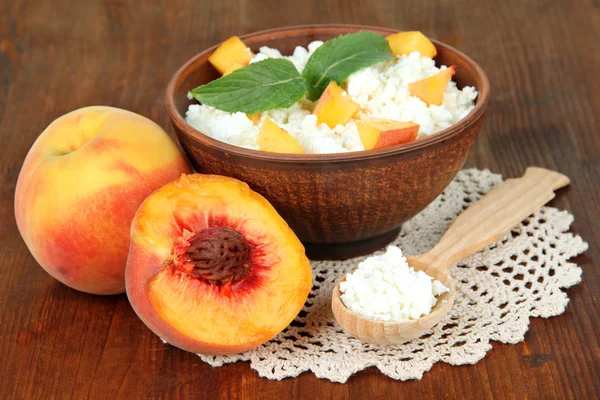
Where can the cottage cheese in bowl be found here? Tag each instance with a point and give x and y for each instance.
(380, 90)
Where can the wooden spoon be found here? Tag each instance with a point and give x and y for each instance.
(480, 225)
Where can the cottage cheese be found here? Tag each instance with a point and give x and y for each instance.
(385, 288)
(381, 91)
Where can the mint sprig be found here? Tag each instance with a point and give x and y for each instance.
(261, 86)
(340, 57)
(276, 83)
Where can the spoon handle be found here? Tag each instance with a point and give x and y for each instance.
(494, 215)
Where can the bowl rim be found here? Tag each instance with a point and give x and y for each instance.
(444, 134)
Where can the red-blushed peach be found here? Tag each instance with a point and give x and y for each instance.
(79, 188)
(212, 268)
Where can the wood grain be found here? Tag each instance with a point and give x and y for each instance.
(542, 58)
(487, 220)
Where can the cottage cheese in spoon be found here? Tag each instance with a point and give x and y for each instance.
(386, 288)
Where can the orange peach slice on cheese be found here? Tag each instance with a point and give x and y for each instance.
(230, 54)
(377, 133)
(234, 66)
(431, 90)
(335, 107)
(275, 139)
(408, 42)
(255, 118)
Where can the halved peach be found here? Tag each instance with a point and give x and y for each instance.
(431, 90)
(407, 42)
(377, 133)
(231, 52)
(277, 140)
(335, 106)
(212, 268)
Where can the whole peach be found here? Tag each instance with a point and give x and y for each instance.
(80, 186)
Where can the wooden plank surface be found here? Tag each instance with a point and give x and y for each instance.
(543, 61)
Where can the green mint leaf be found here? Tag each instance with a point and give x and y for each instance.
(340, 57)
(261, 86)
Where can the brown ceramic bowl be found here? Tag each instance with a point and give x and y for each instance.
(339, 205)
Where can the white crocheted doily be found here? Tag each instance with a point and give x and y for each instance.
(499, 289)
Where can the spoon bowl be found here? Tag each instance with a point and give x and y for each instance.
(480, 225)
(385, 332)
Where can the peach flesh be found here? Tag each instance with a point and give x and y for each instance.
(169, 284)
(186, 289)
(219, 259)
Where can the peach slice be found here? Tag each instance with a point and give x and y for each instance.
(431, 90)
(275, 139)
(255, 118)
(230, 53)
(377, 133)
(234, 66)
(212, 267)
(407, 42)
(335, 107)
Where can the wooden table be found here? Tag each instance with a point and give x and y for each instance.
(542, 58)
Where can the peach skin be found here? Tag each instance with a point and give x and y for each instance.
(377, 133)
(79, 187)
